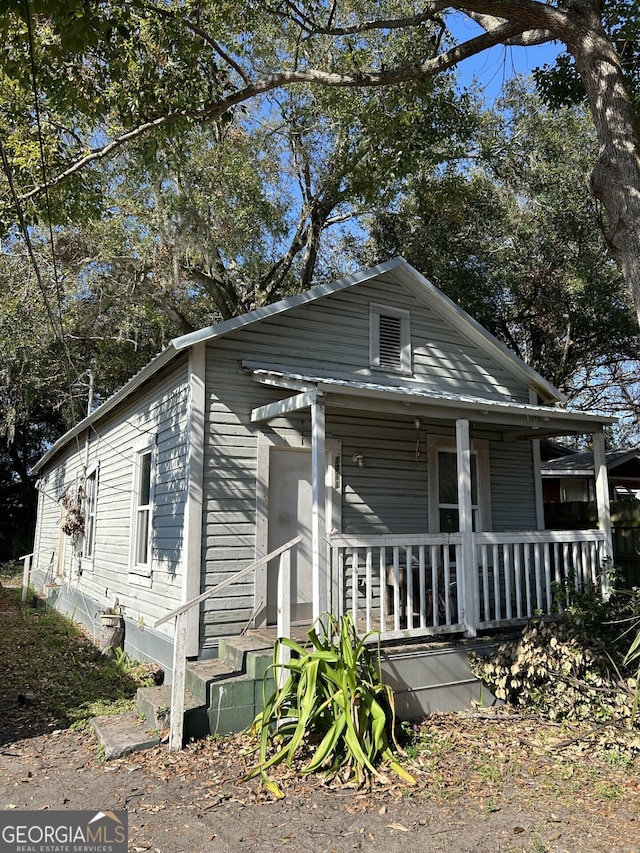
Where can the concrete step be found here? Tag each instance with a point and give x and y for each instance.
(246, 654)
(121, 734)
(201, 674)
(154, 704)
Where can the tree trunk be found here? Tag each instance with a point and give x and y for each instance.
(615, 180)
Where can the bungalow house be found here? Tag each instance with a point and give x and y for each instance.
(371, 416)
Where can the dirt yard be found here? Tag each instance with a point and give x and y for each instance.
(486, 781)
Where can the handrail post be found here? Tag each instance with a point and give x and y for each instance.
(284, 615)
(26, 571)
(176, 716)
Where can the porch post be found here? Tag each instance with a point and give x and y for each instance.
(537, 476)
(192, 565)
(468, 571)
(602, 502)
(320, 580)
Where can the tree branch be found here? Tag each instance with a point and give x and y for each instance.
(205, 36)
(213, 111)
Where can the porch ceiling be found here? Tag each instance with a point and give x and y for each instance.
(519, 420)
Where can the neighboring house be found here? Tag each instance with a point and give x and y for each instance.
(569, 489)
(571, 476)
(371, 415)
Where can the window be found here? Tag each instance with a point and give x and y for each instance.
(389, 339)
(444, 512)
(90, 503)
(448, 512)
(142, 515)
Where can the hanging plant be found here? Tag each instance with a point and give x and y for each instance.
(72, 522)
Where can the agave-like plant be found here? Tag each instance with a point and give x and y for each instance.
(632, 656)
(333, 703)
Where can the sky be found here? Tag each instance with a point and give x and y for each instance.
(495, 66)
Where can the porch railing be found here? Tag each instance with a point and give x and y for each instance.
(408, 586)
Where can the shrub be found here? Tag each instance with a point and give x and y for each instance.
(575, 667)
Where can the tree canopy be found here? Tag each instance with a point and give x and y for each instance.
(167, 164)
(110, 73)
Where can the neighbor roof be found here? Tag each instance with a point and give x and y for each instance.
(581, 464)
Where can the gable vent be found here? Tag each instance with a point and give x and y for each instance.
(390, 342)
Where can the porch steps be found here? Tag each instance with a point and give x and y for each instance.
(222, 695)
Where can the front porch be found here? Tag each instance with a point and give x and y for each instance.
(437, 528)
(407, 587)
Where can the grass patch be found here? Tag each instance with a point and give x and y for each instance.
(53, 669)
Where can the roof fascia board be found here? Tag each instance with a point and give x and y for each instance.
(489, 410)
(287, 304)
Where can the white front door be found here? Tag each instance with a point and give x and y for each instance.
(289, 514)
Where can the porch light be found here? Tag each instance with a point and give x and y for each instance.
(358, 458)
(418, 425)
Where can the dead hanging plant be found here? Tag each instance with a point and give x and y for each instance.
(72, 522)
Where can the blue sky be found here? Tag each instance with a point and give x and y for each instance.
(493, 67)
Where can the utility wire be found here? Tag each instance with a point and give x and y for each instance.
(36, 104)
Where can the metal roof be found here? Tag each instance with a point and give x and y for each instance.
(581, 464)
(436, 403)
(398, 269)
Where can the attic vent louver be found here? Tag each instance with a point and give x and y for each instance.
(390, 342)
(390, 339)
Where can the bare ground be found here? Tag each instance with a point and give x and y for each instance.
(486, 781)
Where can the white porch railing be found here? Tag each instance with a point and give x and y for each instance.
(409, 586)
(522, 574)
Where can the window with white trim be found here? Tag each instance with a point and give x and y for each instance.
(448, 510)
(444, 510)
(389, 339)
(142, 511)
(90, 505)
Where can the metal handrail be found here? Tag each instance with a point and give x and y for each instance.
(176, 719)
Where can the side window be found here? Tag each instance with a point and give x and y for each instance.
(90, 505)
(389, 339)
(142, 511)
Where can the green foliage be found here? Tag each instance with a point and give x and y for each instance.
(333, 707)
(560, 84)
(513, 235)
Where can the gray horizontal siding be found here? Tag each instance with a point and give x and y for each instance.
(332, 336)
(161, 410)
(513, 503)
